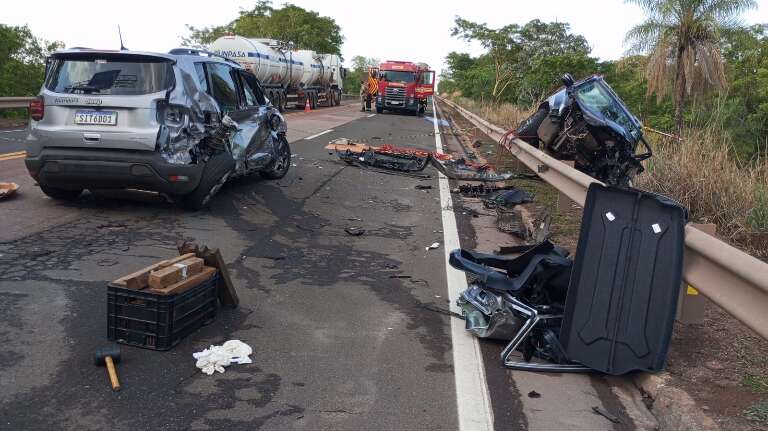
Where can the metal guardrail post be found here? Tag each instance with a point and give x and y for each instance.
(692, 305)
(732, 279)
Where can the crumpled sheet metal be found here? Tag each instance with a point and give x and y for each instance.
(177, 142)
(487, 314)
(248, 137)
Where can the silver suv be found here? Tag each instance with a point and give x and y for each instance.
(181, 124)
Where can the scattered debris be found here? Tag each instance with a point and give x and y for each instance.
(354, 231)
(433, 246)
(507, 198)
(409, 160)
(477, 144)
(423, 187)
(602, 412)
(399, 276)
(215, 358)
(109, 356)
(534, 394)
(7, 190)
(280, 257)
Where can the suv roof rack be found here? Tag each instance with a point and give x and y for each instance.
(199, 52)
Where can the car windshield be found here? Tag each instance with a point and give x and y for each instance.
(106, 77)
(398, 76)
(600, 100)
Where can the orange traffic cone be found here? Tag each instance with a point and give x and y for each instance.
(307, 108)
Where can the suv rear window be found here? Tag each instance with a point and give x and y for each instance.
(123, 76)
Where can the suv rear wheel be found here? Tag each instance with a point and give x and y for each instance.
(282, 163)
(61, 194)
(215, 174)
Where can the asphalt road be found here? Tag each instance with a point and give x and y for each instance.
(342, 327)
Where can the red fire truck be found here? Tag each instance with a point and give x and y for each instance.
(404, 86)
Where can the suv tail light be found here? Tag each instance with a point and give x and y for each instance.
(37, 109)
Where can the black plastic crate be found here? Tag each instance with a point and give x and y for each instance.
(159, 322)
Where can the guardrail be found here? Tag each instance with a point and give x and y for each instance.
(15, 102)
(732, 279)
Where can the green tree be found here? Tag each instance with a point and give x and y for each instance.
(357, 73)
(290, 23)
(22, 61)
(682, 39)
(501, 46)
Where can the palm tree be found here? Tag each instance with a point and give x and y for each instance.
(681, 39)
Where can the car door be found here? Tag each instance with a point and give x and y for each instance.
(256, 110)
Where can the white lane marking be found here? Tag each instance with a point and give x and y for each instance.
(473, 401)
(10, 131)
(372, 115)
(308, 138)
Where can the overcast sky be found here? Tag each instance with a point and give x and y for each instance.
(389, 30)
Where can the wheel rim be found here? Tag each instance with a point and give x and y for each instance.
(283, 157)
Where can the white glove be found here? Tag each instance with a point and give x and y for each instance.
(215, 358)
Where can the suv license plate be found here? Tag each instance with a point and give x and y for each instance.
(99, 118)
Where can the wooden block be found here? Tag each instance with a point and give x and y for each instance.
(163, 277)
(140, 279)
(212, 257)
(184, 285)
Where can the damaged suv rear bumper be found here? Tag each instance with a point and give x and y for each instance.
(71, 168)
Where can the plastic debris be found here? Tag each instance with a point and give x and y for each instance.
(354, 231)
(215, 358)
(433, 246)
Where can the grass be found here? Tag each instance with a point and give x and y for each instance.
(756, 383)
(758, 412)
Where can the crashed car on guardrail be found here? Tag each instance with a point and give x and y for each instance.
(587, 122)
(181, 124)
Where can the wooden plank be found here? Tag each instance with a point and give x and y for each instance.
(140, 279)
(184, 285)
(212, 257)
(163, 277)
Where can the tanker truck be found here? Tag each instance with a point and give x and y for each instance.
(290, 77)
(404, 86)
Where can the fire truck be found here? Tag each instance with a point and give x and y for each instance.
(404, 87)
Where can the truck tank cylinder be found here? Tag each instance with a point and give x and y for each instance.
(270, 65)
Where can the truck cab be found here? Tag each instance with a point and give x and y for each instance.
(404, 87)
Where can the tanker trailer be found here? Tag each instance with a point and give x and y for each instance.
(289, 77)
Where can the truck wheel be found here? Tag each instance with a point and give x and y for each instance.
(61, 194)
(338, 98)
(215, 175)
(528, 129)
(279, 167)
(280, 102)
(313, 101)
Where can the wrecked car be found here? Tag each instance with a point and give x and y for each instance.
(586, 122)
(180, 124)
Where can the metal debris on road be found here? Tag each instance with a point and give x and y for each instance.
(354, 231)
(423, 187)
(410, 160)
(534, 394)
(507, 198)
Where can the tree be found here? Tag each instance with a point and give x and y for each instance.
(682, 39)
(305, 29)
(356, 74)
(502, 49)
(22, 60)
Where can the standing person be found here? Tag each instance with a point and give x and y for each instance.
(363, 94)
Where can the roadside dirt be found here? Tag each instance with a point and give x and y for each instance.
(12, 123)
(720, 363)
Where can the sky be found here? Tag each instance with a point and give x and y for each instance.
(414, 30)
